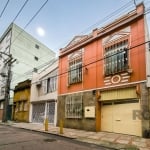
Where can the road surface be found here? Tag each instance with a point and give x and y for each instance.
(19, 139)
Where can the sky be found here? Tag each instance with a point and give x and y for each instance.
(60, 20)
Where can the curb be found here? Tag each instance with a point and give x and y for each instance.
(111, 145)
(105, 144)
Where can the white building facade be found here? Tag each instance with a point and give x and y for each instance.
(43, 100)
(29, 55)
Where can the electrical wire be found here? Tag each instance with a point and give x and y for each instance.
(4, 8)
(38, 67)
(87, 60)
(104, 19)
(20, 10)
(99, 60)
(30, 20)
(24, 50)
(108, 17)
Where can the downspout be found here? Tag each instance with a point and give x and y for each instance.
(147, 53)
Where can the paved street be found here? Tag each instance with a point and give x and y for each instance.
(20, 139)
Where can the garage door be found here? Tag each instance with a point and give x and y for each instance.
(117, 117)
(38, 112)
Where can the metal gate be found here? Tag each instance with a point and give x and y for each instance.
(50, 111)
(38, 112)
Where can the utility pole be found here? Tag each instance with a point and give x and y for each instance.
(7, 89)
(8, 62)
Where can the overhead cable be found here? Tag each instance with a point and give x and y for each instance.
(4, 8)
(30, 20)
(20, 10)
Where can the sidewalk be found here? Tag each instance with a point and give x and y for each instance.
(110, 140)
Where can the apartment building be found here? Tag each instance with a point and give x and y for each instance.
(28, 54)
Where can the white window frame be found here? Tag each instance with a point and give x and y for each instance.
(52, 84)
(44, 86)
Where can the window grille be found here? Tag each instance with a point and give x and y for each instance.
(38, 112)
(75, 69)
(50, 111)
(73, 107)
(116, 58)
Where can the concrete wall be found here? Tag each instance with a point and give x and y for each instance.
(145, 108)
(80, 123)
(24, 49)
(1, 114)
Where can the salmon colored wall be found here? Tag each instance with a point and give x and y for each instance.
(137, 54)
(89, 78)
(93, 52)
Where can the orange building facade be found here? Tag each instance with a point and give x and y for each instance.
(103, 83)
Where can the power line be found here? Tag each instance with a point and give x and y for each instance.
(101, 21)
(104, 19)
(4, 8)
(108, 17)
(39, 67)
(30, 20)
(20, 10)
(101, 59)
(38, 11)
(47, 53)
(47, 1)
(136, 39)
(43, 65)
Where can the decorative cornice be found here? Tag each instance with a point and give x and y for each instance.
(98, 33)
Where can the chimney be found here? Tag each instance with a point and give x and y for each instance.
(94, 33)
(140, 8)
